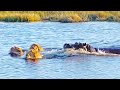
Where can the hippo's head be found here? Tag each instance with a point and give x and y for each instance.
(67, 46)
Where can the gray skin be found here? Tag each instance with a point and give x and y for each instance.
(89, 48)
(84, 46)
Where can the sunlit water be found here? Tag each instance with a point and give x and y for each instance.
(53, 35)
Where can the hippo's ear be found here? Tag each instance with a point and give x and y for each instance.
(64, 45)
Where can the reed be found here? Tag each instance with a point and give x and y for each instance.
(59, 16)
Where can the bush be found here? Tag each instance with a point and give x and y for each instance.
(93, 17)
(111, 18)
(71, 19)
(66, 20)
(53, 19)
(62, 16)
(76, 18)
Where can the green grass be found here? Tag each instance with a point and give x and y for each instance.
(59, 16)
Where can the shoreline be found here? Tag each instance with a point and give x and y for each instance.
(57, 21)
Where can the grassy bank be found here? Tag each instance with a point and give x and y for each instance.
(59, 16)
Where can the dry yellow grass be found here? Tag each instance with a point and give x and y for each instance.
(75, 16)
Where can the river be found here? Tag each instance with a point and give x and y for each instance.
(54, 35)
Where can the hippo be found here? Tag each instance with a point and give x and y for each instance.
(79, 45)
(16, 51)
(85, 48)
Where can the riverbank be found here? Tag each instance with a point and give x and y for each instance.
(59, 16)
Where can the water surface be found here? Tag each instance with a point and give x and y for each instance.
(53, 35)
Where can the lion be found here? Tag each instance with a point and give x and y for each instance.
(34, 52)
(16, 51)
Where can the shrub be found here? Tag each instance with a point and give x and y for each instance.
(53, 19)
(76, 18)
(71, 19)
(93, 17)
(111, 18)
(66, 20)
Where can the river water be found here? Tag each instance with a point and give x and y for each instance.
(53, 35)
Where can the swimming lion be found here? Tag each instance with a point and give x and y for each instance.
(37, 47)
(16, 51)
(34, 52)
